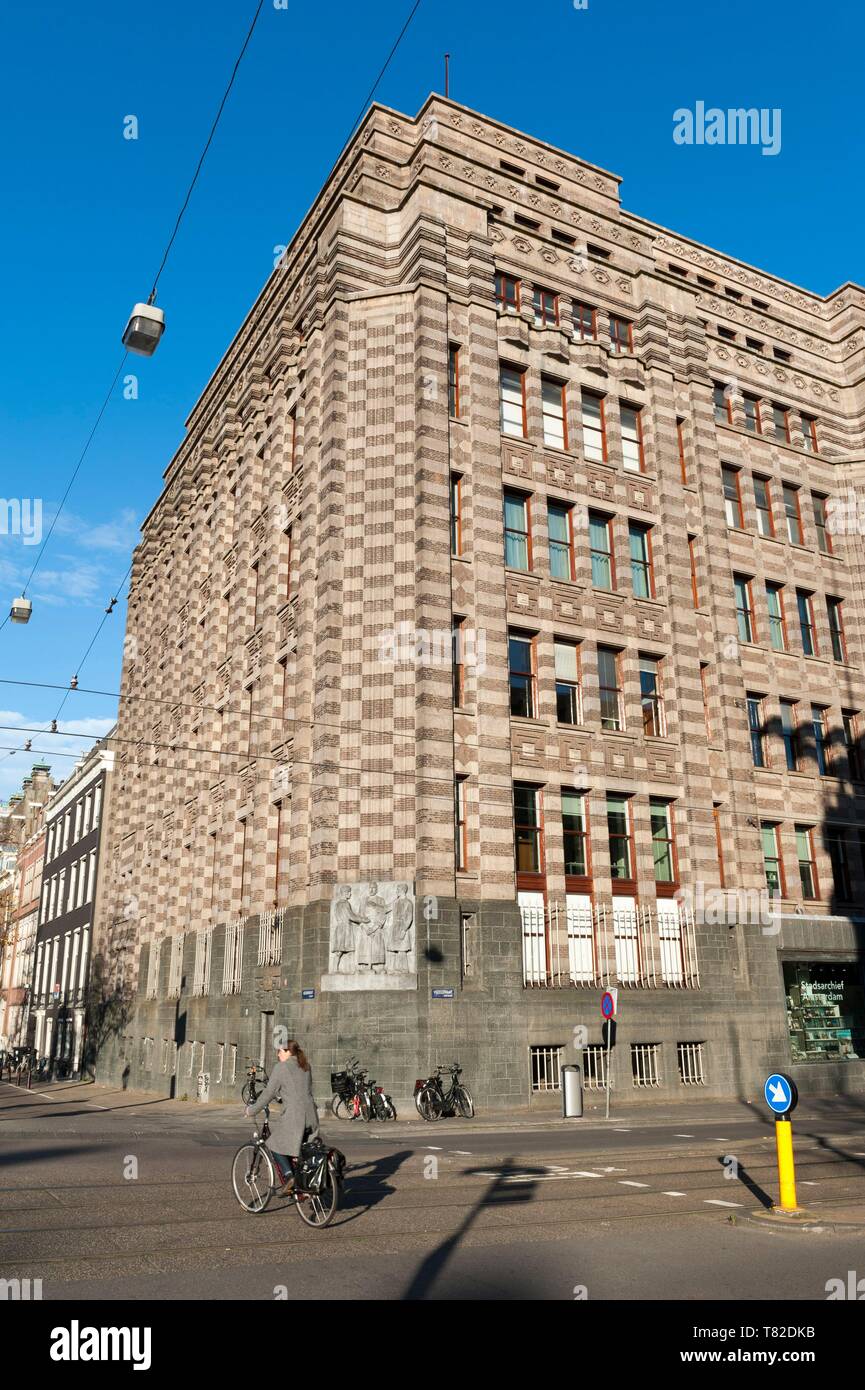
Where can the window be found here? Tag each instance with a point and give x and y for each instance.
(807, 864)
(723, 405)
(792, 513)
(781, 422)
(632, 439)
(575, 834)
(818, 723)
(507, 292)
(808, 633)
(809, 433)
(585, 321)
(763, 502)
(561, 533)
(777, 622)
(663, 841)
(692, 560)
(456, 514)
(619, 835)
(839, 858)
(522, 676)
(546, 306)
(513, 401)
(744, 608)
(460, 826)
(753, 421)
(645, 1064)
(732, 497)
(459, 663)
(518, 540)
(836, 628)
(781, 354)
(689, 1056)
(850, 722)
(651, 698)
(790, 734)
(728, 333)
(640, 544)
(527, 829)
(454, 381)
(593, 419)
(719, 843)
(568, 703)
(772, 863)
(601, 550)
(545, 1067)
(824, 539)
(554, 417)
(754, 344)
(704, 688)
(621, 334)
(680, 441)
(610, 688)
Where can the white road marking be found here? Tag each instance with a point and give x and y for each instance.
(614, 1170)
(626, 1182)
(716, 1202)
(436, 1148)
(463, 1153)
(579, 1173)
(683, 1136)
(622, 1131)
(674, 1194)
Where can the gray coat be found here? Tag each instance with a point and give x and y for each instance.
(293, 1086)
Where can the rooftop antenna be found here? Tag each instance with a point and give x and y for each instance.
(447, 74)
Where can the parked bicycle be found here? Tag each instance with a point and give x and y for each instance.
(435, 1103)
(256, 1080)
(318, 1177)
(356, 1097)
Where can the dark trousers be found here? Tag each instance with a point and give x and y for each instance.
(286, 1163)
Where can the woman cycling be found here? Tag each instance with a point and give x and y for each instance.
(291, 1083)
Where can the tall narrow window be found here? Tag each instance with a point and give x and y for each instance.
(594, 425)
(680, 442)
(568, 702)
(704, 689)
(610, 688)
(528, 833)
(719, 843)
(824, 538)
(809, 433)
(807, 630)
(807, 864)
(554, 416)
(692, 562)
(561, 533)
(663, 841)
(460, 825)
(732, 497)
(575, 835)
(792, 513)
(722, 405)
(454, 381)
(633, 459)
(763, 502)
(459, 663)
(839, 858)
(585, 321)
(756, 730)
(619, 836)
(651, 698)
(777, 622)
(753, 420)
(507, 292)
(772, 863)
(292, 428)
(640, 543)
(781, 423)
(512, 383)
(836, 628)
(790, 734)
(621, 334)
(546, 307)
(821, 752)
(601, 550)
(456, 514)
(522, 675)
(518, 539)
(744, 608)
(853, 744)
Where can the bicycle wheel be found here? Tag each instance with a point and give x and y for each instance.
(389, 1109)
(464, 1103)
(343, 1108)
(253, 1177)
(429, 1103)
(319, 1208)
(248, 1093)
(364, 1106)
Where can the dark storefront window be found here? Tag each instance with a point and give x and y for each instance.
(825, 1010)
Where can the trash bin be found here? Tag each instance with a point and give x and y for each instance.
(572, 1092)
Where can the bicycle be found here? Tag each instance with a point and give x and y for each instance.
(351, 1100)
(433, 1102)
(251, 1089)
(256, 1175)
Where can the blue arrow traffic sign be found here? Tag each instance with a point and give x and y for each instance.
(780, 1093)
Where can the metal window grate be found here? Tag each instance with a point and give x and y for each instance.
(232, 1064)
(175, 966)
(645, 1063)
(690, 1059)
(270, 938)
(220, 1060)
(546, 1068)
(153, 969)
(166, 1048)
(201, 973)
(232, 968)
(595, 1067)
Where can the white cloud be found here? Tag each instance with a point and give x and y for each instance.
(70, 739)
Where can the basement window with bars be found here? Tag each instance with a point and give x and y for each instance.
(546, 1068)
(646, 1064)
(153, 969)
(595, 1067)
(232, 1064)
(690, 1058)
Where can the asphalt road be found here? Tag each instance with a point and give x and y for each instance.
(135, 1202)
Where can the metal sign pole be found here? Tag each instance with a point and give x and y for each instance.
(609, 1069)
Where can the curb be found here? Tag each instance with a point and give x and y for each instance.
(804, 1221)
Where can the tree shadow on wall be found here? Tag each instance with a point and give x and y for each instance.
(110, 994)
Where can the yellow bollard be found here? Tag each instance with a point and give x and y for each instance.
(786, 1167)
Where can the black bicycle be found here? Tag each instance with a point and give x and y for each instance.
(317, 1178)
(256, 1080)
(435, 1103)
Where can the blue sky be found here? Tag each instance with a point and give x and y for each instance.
(88, 213)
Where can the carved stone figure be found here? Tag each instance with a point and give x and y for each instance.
(399, 933)
(372, 937)
(344, 922)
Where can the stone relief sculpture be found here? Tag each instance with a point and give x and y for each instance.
(372, 942)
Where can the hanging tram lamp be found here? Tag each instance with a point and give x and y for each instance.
(21, 610)
(145, 327)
